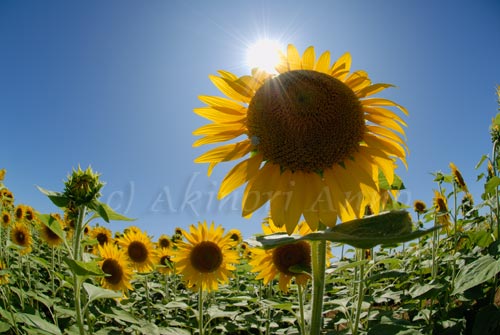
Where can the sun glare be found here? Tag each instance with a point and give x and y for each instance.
(264, 54)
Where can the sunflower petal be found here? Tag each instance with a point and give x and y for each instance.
(228, 90)
(385, 113)
(372, 89)
(342, 64)
(385, 122)
(239, 174)
(220, 102)
(214, 139)
(308, 59)
(225, 153)
(223, 115)
(323, 64)
(260, 188)
(220, 129)
(382, 102)
(293, 58)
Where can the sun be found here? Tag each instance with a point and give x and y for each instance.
(264, 54)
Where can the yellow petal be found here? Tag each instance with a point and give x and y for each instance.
(221, 114)
(260, 188)
(313, 197)
(342, 64)
(308, 59)
(227, 75)
(323, 64)
(381, 160)
(384, 112)
(220, 129)
(385, 122)
(382, 102)
(344, 209)
(281, 199)
(220, 102)
(229, 91)
(225, 153)
(293, 58)
(214, 139)
(392, 148)
(239, 174)
(372, 89)
(297, 187)
(379, 131)
(350, 186)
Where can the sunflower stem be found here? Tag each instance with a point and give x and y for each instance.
(77, 283)
(200, 311)
(318, 253)
(148, 302)
(360, 253)
(302, 323)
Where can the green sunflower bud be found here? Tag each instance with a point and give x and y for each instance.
(83, 187)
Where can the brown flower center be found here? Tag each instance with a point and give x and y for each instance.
(296, 254)
(305, 121)
(102, 238)
(164, 243)
(51, 236)
(206, 257)
(112, 268)
(137, 252)
(20, 238)
(165, 260)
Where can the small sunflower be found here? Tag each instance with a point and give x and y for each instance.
(207, 258)
(314, 138)
(20, 235)
(164, 242)
(102, 235)
(2, 174)
(282, 260)
(29, 214)
(51, 238)
(7, 198)
(164, 261)
(139, 249)
(458, 178)
(235, 235)
(19, 212)
(115, 264)
(4, 277)
(442, 212)
(419, 206)
(6, 219)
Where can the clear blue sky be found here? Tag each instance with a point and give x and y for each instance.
(113, 84)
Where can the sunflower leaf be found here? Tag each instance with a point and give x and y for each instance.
(95, 292)
(57, 198)
(52, 224)
(83, 268)
(105, 212)
(386, 228)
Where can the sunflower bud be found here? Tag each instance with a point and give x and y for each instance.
(82, 187)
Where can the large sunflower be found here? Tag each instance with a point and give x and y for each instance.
(139, 249)
(288, 261)
(313, 138)
(207, 258)
(116, 266)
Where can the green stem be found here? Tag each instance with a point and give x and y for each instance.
(434, 251)
(200, 311)
(302, 323)
(360, 255)
(148, 302)
(77, 283)
(318, 250)
(167, 288)
(77, 286)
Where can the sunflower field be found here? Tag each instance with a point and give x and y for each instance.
(338, 253)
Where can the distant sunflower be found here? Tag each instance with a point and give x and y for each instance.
(314, 140)
(164, 242)
(2, 174)
(207, 258)
(102, 235)
(442, 212)
(458, 178)
(115, 264)
(235, 235)
(139, 249)
(19, 212)
(288, 261)
(6, 198)
(419, 206)
(47, 235)
(6, 219)
(29, 213)
(20, 235)
(165, 261)
(4, 277)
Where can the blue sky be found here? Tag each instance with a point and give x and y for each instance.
(113, 84)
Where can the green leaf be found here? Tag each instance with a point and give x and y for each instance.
(420, 291)
(96, 292)
(84, 268)
(481, 161)
(492, 184)
(4, 327)
(365, 233)
(475, 273)
(392, 329)
(39, 323)
(57, 198)
(106, 213)
(52, 224)
(397, 183)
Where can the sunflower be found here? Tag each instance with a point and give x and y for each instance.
(419, 206)
(29, 214)
(2, 174)
(458, 178)
(442, 212)
(20, 235)
(4, 277)
(51, 238)
(102, 235)
(20, 212)
(164, 242)
(6, 219)
(207, 258)
(288, 261)
(6, 197)
(314, 139)
(164, 260)
(139, 249)
(114, 263)
(235, 235)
